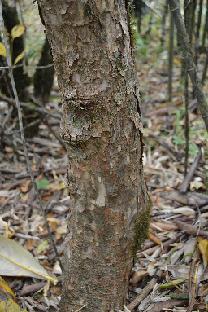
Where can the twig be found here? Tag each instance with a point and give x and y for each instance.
(190, 198)
(192, 283)
(57, 136)
(190, 229)
(166, 305)
(81, 308)
(143, 294)
(27, 66)
(28, 289)
(39, 109)
(26, 236)
(170, 150)
(188, 58)
(188, 178)
(163, 306)
(166, 245)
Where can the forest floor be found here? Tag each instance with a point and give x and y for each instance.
(170, 273)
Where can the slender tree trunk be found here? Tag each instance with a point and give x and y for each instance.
(170, 57)
(101, 127)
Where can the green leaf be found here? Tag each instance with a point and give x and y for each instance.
(17, 261)
(4, 286)
(172, 284)
(2, 50)
(178, 140)
(42, 184)
(19, 57)
(17, 31)
(43, 246)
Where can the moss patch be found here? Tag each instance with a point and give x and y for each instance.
(141, 227)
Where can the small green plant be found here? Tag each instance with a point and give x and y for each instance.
(42, 184)
(196, 131)
(178, 138)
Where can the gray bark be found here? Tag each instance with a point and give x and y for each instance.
(101, 127)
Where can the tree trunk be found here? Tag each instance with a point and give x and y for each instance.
(101, 126)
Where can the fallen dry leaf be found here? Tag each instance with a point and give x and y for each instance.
(17, 261)
(53, 222)
(138, 276)
(203, 247)
(24, 186)
(164, 226)
(154, 238)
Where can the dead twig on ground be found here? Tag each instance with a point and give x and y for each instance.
(188, 178)
(145, 291)
(190, 198)
(163, 306)
(28, 289)
(190, 229)
(192, 282)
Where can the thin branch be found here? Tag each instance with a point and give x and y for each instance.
(30, 106)
(188, 59)
(188, 178)
(190, 229)
(170, 57)
(147, 289)
(26, 66)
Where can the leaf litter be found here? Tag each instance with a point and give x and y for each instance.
(175, 255)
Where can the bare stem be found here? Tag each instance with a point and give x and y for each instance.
(188, 59)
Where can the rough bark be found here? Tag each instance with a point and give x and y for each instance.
(101, 127)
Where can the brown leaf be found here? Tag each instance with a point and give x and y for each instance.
(138, 276)
(165, 226)
(203, 247)
(24, 187)
(155, 239)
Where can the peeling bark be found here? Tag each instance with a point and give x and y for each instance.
(101, 127)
